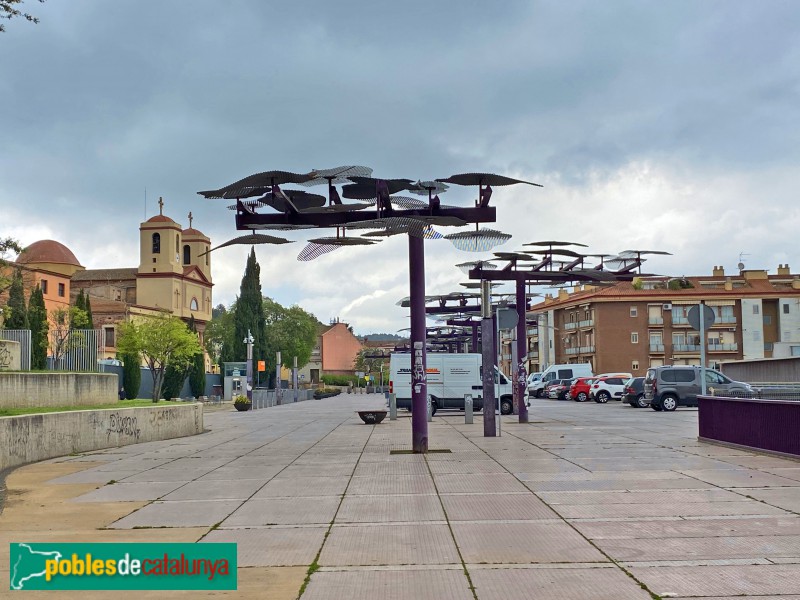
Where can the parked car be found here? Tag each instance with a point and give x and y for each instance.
(605, 388)
(533, 379)
(633, 392)
(558, 389)
(579, 390)
(553, 372)
(668, 387)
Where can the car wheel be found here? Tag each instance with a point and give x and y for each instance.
(669, 402)
(582, 397)
(640, 402)
(602, 397)
(506, 407)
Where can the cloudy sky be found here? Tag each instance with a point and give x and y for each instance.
(652, 125)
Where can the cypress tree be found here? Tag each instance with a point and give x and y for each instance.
(131, 375)
(18, 316)
(37, 320)
(249, 315)
(197, 371)
(87, 306)
(79, 301)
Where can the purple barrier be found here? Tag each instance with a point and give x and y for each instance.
(772, 425)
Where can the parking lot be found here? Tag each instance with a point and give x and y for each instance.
(586, 501)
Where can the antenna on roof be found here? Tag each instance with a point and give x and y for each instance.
(741, 260)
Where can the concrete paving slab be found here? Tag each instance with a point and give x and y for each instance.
(496, 507)
(216, 490)
(162, 474)
(686, 483)
(264, 547)
(284, 511)
(396, 484)
(786, 498)
(262, 474)
(681, 528)
(318, 470)
(126, 492)
(92, 476)
(385, 509)
(302, 486)
(425, 544)
(389, 585)
(640, 497)
(449, 483)
(555, 584)
(178, 514)
(654, 549)
(740, 478)
(465, 466)
(696, 509)
(537, 542)
(390, 469)
(733, 580)
(790, 473)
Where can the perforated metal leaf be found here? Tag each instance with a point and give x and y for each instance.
(255, 185)
(251, 239)
(466, 267)
(423, 188)
(483, 179)
(342, 241)
(312, 251)
(481, 240)
(300, 200)
(336, 175)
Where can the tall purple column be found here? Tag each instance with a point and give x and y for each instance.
(419, 384)
(519, 375)
(487, 361)
(474, 340)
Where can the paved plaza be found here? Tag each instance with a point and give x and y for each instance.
(586, 501)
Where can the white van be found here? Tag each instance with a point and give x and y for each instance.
(450, 376)
(553, 372)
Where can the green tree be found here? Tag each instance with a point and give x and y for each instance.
(9, 10)
(174, 376)
(373, 363)
(292, 332)
(88, 308)
(197, 371)
(7, 245)
(131, 375)
(17, 317)
(37, 321)
(160, 341)
(249, 314)
(218, 337)
(63, 338)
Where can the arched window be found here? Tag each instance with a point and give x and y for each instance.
(187, 254)
(156, 243)
(193, 304)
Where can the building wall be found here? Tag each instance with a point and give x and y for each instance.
(752, 329)
(339, 349)
(789, 321)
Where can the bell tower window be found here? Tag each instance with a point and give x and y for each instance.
(156, 243)
(187, 254)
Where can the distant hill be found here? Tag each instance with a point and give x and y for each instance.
(382, 337)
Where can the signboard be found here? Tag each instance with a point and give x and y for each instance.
(359, 374)
(262, 365)
(236, 373)
(366, 377)
(693, 317)
(507, 318)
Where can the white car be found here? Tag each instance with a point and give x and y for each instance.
(605, 388)
(533, 379)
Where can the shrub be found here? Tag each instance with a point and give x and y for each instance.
(326, 392)
(338, 379)
(241, 400)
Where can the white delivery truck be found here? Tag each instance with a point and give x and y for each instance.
(449, 377)
(553, 372)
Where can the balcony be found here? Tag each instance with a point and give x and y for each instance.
(572, 351)
(657, 348)
(680, 321)
(726, 320)
(570, 325)
(506, 356)
(586, 323)
(587, 349)
(655, 320)
(533, 331)
(686, 347)
(723, 347)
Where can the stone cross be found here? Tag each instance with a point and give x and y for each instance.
(160, 205)
(190, 219)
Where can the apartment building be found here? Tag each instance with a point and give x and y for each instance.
(633, 325)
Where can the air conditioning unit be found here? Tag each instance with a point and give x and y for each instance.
(666, 306)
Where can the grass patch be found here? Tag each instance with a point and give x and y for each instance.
(34, 410)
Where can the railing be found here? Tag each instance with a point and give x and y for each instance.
(686, 347)
(723, 347)
(533, 331)
(570, 325)
(725, 319)
(655, 320)
(266, 398)
(680, 320)
(656, 347)
(586, 323)
(587, 349)
(572, 351)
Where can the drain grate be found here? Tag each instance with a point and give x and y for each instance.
(430, 451)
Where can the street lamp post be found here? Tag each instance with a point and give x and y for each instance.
(249, 341)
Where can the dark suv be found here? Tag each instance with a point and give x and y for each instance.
(667, 388)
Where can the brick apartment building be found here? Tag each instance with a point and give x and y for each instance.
(633, 325)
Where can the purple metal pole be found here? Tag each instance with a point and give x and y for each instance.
(474, 338)
(419, 385)
(520, 376)
(487, 361)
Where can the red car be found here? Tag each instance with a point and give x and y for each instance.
(579, 390)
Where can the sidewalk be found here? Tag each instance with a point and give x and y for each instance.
(587, 501)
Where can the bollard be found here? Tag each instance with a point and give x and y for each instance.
(430, 416)
(468, 409)
(393, 407)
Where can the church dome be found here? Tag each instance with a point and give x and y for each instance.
(47, 251)
(160, 219)
(192, 232)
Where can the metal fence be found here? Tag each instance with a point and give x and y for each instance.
(23, 336)
(266, 398)
(76, 350)
(764, 390)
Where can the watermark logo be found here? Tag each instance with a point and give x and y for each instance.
(122, 566)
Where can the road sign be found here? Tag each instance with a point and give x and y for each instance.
(262, 365)
(507, 318)
(694, 317)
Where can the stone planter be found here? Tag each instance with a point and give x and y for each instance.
(372, 417)
(241, 406)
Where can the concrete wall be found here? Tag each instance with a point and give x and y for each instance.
(24, 390)
(31, 438)
(10, 355)
(772, 370)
